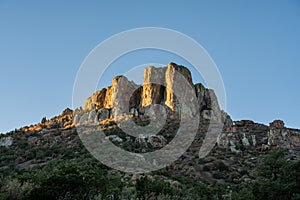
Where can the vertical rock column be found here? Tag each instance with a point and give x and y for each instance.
(153, 93)
(172, 74)
(120, 95)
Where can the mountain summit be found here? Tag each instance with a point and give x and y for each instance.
(245, 160)
(159, 87)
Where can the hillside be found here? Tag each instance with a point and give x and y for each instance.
(248, 160)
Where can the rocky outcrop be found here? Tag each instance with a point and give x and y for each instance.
(6, 141)
(202, 96)
(164, 86)
(247, 134)
(115, 100)
(64, 120)
(155, 141)
(114, 96)
(123, 91)
(96, 101)
(284, 138)
(173, 74)
(277, 124)
(153, 88)
(209, 106)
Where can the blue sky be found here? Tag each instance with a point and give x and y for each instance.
(255, 45)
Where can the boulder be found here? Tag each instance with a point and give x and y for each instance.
(115, 138)
(6, 141)
(157, 141)
(141, 140)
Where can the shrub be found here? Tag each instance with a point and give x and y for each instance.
(220, 166)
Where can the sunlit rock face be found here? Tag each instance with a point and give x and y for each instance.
(173, 74)
(96, 101)
(166, 86)
(112, 96)
(153, 88)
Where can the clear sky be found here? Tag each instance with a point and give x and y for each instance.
(255, 45)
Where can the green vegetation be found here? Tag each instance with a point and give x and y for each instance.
(85, 178)
(56, 165)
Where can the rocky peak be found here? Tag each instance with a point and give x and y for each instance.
(126, 97)
(172, 67)
(277, 124)
(172, 75)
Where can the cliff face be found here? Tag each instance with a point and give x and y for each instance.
(248, 135)
(159, 87)
(153, 90)
(170, 77)
(127, 99)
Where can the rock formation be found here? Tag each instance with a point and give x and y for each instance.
(277, 124)
(172, 76)
(238, 140)
(96, 100)
(153, 89)
(246, 134)
(159, 87)
(6, 141)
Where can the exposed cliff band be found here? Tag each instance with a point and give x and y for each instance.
(158, 88)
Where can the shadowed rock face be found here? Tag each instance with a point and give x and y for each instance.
(159, 87)
(250, 135)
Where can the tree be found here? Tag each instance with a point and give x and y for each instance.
(279, 178)
(273, 165)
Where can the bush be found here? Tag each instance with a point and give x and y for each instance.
(220, 166)
(279, 178)
(145, 186)
(206, 168)
(13, 188)
(70, 181)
